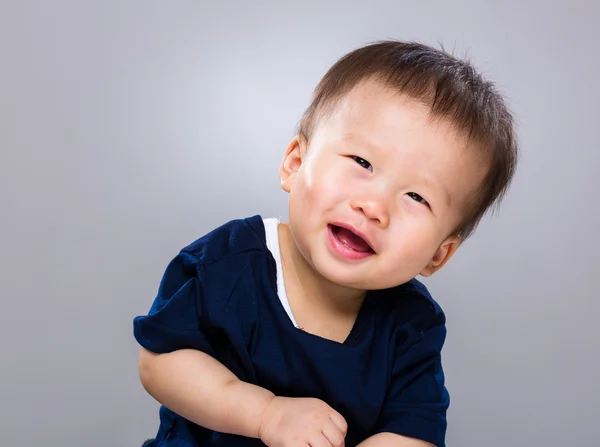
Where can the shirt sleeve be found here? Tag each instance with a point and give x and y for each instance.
(174, 321)
(417, 400)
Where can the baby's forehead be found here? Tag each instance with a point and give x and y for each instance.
(379, 119)
(376, 98)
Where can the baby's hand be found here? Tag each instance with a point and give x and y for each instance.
(298, 422)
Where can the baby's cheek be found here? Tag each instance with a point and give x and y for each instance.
(322, 187)
(414, 252)
(315, 185)
(306, 194)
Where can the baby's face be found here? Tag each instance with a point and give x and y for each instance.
(376, 195)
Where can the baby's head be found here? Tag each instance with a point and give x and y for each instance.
(402, 151)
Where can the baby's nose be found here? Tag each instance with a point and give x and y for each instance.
(374, 209)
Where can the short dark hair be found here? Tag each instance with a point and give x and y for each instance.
(454, 91)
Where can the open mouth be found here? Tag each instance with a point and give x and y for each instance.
(349, 243)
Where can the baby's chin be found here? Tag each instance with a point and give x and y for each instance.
(362, 280)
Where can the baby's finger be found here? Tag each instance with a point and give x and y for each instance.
(339, 421)
(319, 440)
(334, 435)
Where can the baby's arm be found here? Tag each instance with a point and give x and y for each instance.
(200, 389)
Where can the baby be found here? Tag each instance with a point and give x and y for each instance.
(315, 332)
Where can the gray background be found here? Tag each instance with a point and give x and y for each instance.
(130, 128)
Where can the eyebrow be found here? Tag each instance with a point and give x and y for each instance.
(358, 140)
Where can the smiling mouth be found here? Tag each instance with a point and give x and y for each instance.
(350, 240)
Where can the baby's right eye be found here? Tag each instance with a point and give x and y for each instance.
(364, 163)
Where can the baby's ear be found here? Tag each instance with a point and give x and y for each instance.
(442, 255)
(291, 162)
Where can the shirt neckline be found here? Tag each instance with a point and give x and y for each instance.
(272, 240)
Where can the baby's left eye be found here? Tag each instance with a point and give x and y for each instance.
(364, 163)
(416, 197)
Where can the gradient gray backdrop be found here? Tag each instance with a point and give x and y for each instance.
(129, 128)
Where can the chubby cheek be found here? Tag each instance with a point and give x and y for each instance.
(412, 248)
(319, 188)
(305, 208)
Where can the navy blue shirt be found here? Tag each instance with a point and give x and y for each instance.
(219, 295)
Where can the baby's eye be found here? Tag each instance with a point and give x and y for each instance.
(364, 163)
(416, 197)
